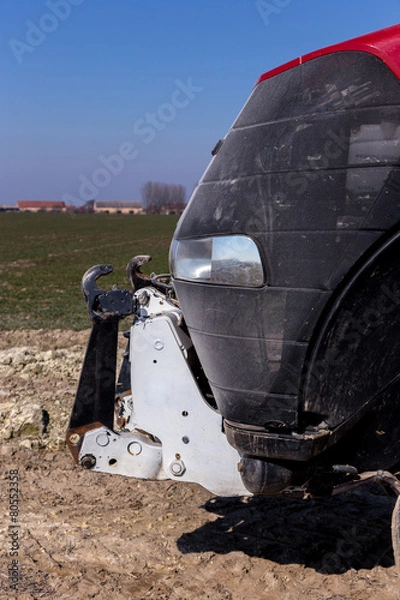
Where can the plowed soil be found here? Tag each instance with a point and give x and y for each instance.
(87, 535)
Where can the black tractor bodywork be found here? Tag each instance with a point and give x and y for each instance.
(303, 362)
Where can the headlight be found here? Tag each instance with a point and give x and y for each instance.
(226, 260)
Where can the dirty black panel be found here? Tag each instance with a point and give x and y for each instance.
(332, 82)
(273, 313)
(385, 209)
(246, 339)
(247, 367)
(353, 138)
(247, 363)
(316, 260)
(343, 199)
(310, 171)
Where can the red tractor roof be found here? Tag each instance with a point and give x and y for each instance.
(385, 44)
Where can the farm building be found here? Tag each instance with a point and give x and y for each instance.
(41, 206)
(125, 208)
(7, 208)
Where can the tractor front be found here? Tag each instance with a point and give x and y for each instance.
(267, 362)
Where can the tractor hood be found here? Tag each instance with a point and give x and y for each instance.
(293, 199)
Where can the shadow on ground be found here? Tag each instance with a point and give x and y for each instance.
(333, 535)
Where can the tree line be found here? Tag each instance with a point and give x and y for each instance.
(156, 195)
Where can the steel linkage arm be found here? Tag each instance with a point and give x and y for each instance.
(94, 401)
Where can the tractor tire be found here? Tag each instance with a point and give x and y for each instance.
(396, 533)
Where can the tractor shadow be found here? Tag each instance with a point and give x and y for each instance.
(351, 531)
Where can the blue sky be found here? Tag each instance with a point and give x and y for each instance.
(99, 96)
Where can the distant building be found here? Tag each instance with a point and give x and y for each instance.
(123, 208)
(7, 208)
(41, 206)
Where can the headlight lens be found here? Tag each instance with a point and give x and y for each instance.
(226, 260)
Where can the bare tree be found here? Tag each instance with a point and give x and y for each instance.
(177, 194)
(158, 196)
(148, 193)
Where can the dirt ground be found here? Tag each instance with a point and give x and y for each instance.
(79, 534)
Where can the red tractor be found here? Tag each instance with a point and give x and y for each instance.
(267, 362)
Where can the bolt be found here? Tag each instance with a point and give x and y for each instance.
(88, 461)
(74, 439)
(121, 422)
(134, 448)
(177, 468)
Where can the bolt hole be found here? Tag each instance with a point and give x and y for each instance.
(154, 361)
(185, 439)
(112, 461)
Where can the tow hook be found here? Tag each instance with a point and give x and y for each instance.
(104, 305)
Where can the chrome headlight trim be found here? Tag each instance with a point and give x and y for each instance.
(222, 260)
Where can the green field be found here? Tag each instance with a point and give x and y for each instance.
(43, 258)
